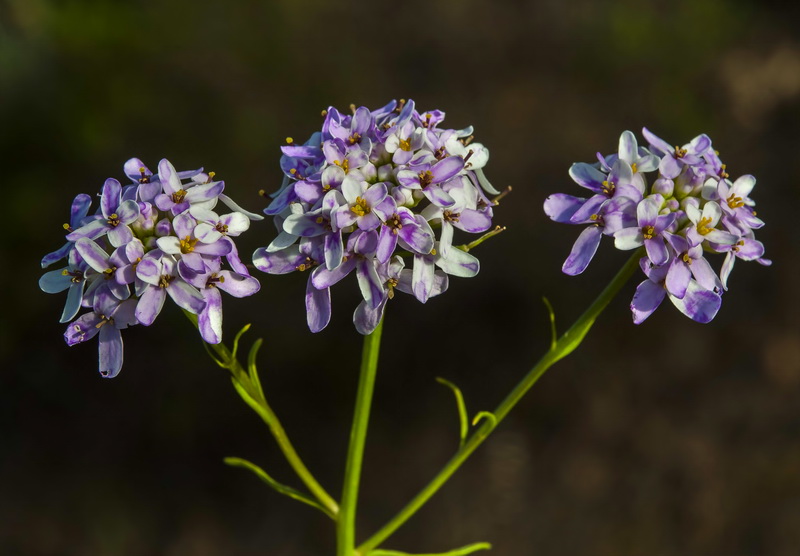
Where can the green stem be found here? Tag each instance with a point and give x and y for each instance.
(346, 522)
(570, 340)
(254, 397)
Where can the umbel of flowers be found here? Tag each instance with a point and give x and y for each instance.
(371, 190)
(155, 237)
(677, 202)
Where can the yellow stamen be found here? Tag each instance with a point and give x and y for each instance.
(187, 244)
(734, 201)
(360, 208)
(686, 258)
(702, 226)
(608, 187)
(289, 140)
(405, 144)
(633, 167)
(113, 220)
(648, 232)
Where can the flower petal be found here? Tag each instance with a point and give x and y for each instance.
(647, 298)
(582, 251)
(318, 307)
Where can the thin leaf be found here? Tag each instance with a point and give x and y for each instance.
(462, 410)
(255, 405)
(572, 339)
(251, 366)
(553, 334)
(239, 334)
(463, 551)
(488, 416)
(216, 359)
(281, 488)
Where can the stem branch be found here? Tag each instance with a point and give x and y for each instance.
(568, 341)
(251, 393)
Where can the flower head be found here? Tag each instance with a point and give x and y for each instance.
(153, 239)
(369, 189)
(677, 202)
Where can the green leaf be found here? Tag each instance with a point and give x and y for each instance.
(217, 360)
(463, 551)
(571, 339)
(462, 410)
(278, 487)
(255, 405)
(251, 367)
(553, 334)
(239, 334)
(487, 415)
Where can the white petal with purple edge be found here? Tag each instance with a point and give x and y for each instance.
(628, 238)
(318, 307)
(110, 351)
(422, 277)
(647, 298)
(186, 296)
(237, 285)
(698, 304)
(209, 321)
(678, 278)
(369, 282)
(150, 304)
(459, 263)
(93, 254)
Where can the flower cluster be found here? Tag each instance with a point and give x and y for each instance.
(155, 237)
(690, 208)
(370, 187)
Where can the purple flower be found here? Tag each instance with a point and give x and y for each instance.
(688, 210)
(697, 303)
(649, 232)
(178, 197)
(77, 218)
(674, 159)
(157, 235)
(159, 271)
(209, 282)
(110, 315)
(367, 189)
(117, 216)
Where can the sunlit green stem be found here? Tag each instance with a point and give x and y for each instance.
(346, 522)
(463, 551)
(570, 340)
(250, 391)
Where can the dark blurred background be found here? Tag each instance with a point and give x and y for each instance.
(669, 438)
